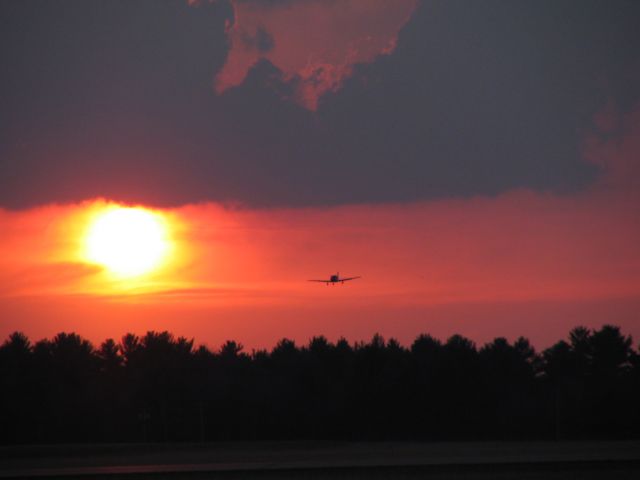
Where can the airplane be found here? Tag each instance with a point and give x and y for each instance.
(335, 279)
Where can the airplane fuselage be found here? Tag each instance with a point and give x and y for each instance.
(333, 279)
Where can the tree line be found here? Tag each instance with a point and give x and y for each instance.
(157, 388)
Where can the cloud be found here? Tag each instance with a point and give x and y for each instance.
(615, 148)
(58, 278)
(477, 98)
(314, 44)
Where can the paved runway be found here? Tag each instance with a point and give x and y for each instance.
(318, 460)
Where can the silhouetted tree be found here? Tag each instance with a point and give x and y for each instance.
(610, 352)
(109, 355)
(18, 384)
(160, 388)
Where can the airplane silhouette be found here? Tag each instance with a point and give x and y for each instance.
(335, 279)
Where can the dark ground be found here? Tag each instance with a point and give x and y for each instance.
(284, 460)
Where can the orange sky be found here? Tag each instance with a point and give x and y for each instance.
(520, 263)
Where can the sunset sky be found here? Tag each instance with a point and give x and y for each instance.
(477, 163)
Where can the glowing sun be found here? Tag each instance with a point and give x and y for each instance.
(127, 241)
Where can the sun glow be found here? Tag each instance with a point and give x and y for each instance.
(128, 242)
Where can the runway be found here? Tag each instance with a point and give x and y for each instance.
(320, 460)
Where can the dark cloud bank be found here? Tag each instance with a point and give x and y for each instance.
(115, 99)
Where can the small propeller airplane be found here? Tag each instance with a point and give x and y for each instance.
(335, 279)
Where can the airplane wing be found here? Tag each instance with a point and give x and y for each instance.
(348, 278)
(323, 281)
